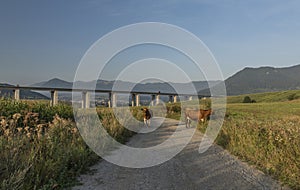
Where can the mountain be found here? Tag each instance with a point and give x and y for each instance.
(24, 94)
(248, 80)
(163, 87)
(263, 79)
(55, 83)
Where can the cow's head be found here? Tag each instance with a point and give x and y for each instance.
(144, 109)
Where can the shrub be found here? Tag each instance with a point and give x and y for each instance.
(247, 99)
(292, 97)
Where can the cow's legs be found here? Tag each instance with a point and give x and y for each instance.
(147, 122)
(187, 122)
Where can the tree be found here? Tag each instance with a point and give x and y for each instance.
(247, 99)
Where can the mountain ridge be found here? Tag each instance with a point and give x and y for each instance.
(263, 79)
(246, 81)
(125, 85)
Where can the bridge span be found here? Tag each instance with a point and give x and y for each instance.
(85, 100)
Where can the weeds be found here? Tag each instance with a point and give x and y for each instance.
(266, 135)
(41, 148)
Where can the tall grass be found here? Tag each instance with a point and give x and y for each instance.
(41, 147)
(266, 135)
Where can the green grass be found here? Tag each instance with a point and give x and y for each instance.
(267, 97)
(265, 134)
(41, 147)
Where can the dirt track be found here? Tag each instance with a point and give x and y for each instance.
(213, 169)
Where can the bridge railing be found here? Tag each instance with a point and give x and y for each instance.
(135, 95)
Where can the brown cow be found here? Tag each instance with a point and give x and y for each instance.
(196, 115)
(147, 116)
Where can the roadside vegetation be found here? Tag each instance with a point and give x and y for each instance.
(41, 147)
(265, 134)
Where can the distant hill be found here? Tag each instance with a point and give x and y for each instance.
(24, 94)
(163, 87)
(155, 87)
(246, 81)
(263, 79)
(55, 83)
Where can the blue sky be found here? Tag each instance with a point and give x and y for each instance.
(40, 40)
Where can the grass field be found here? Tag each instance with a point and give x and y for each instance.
(41, 147)
(267, 97)
(265, 134)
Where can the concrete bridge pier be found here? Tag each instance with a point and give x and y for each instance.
(170, 98)
(113, 99)
(109, 100)
(133, 99)
(175, 99)
(152, 99)
(157, 99)
(54, 97)
(190, 98)
(85, 99)
(16, 94)
(137, 103)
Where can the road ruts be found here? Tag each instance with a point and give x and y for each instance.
(213, 169)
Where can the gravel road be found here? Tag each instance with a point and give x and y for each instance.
(213, 169)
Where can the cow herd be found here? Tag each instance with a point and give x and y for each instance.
(190, 115)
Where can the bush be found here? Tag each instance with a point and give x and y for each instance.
(247, 99)
(292, 97)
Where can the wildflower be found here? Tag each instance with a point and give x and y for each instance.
(27, 129)
(40, 128)
(16, 116)
(56, 120)
(7, 132)
(74, 130)
(20, 129)
(3, 123)
(29, 135)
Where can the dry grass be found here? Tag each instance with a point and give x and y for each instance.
(266, 135)
(43, 150)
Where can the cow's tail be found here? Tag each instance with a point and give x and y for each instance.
(186, 119)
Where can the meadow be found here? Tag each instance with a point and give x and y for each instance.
(266, 135)
(41, 147)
